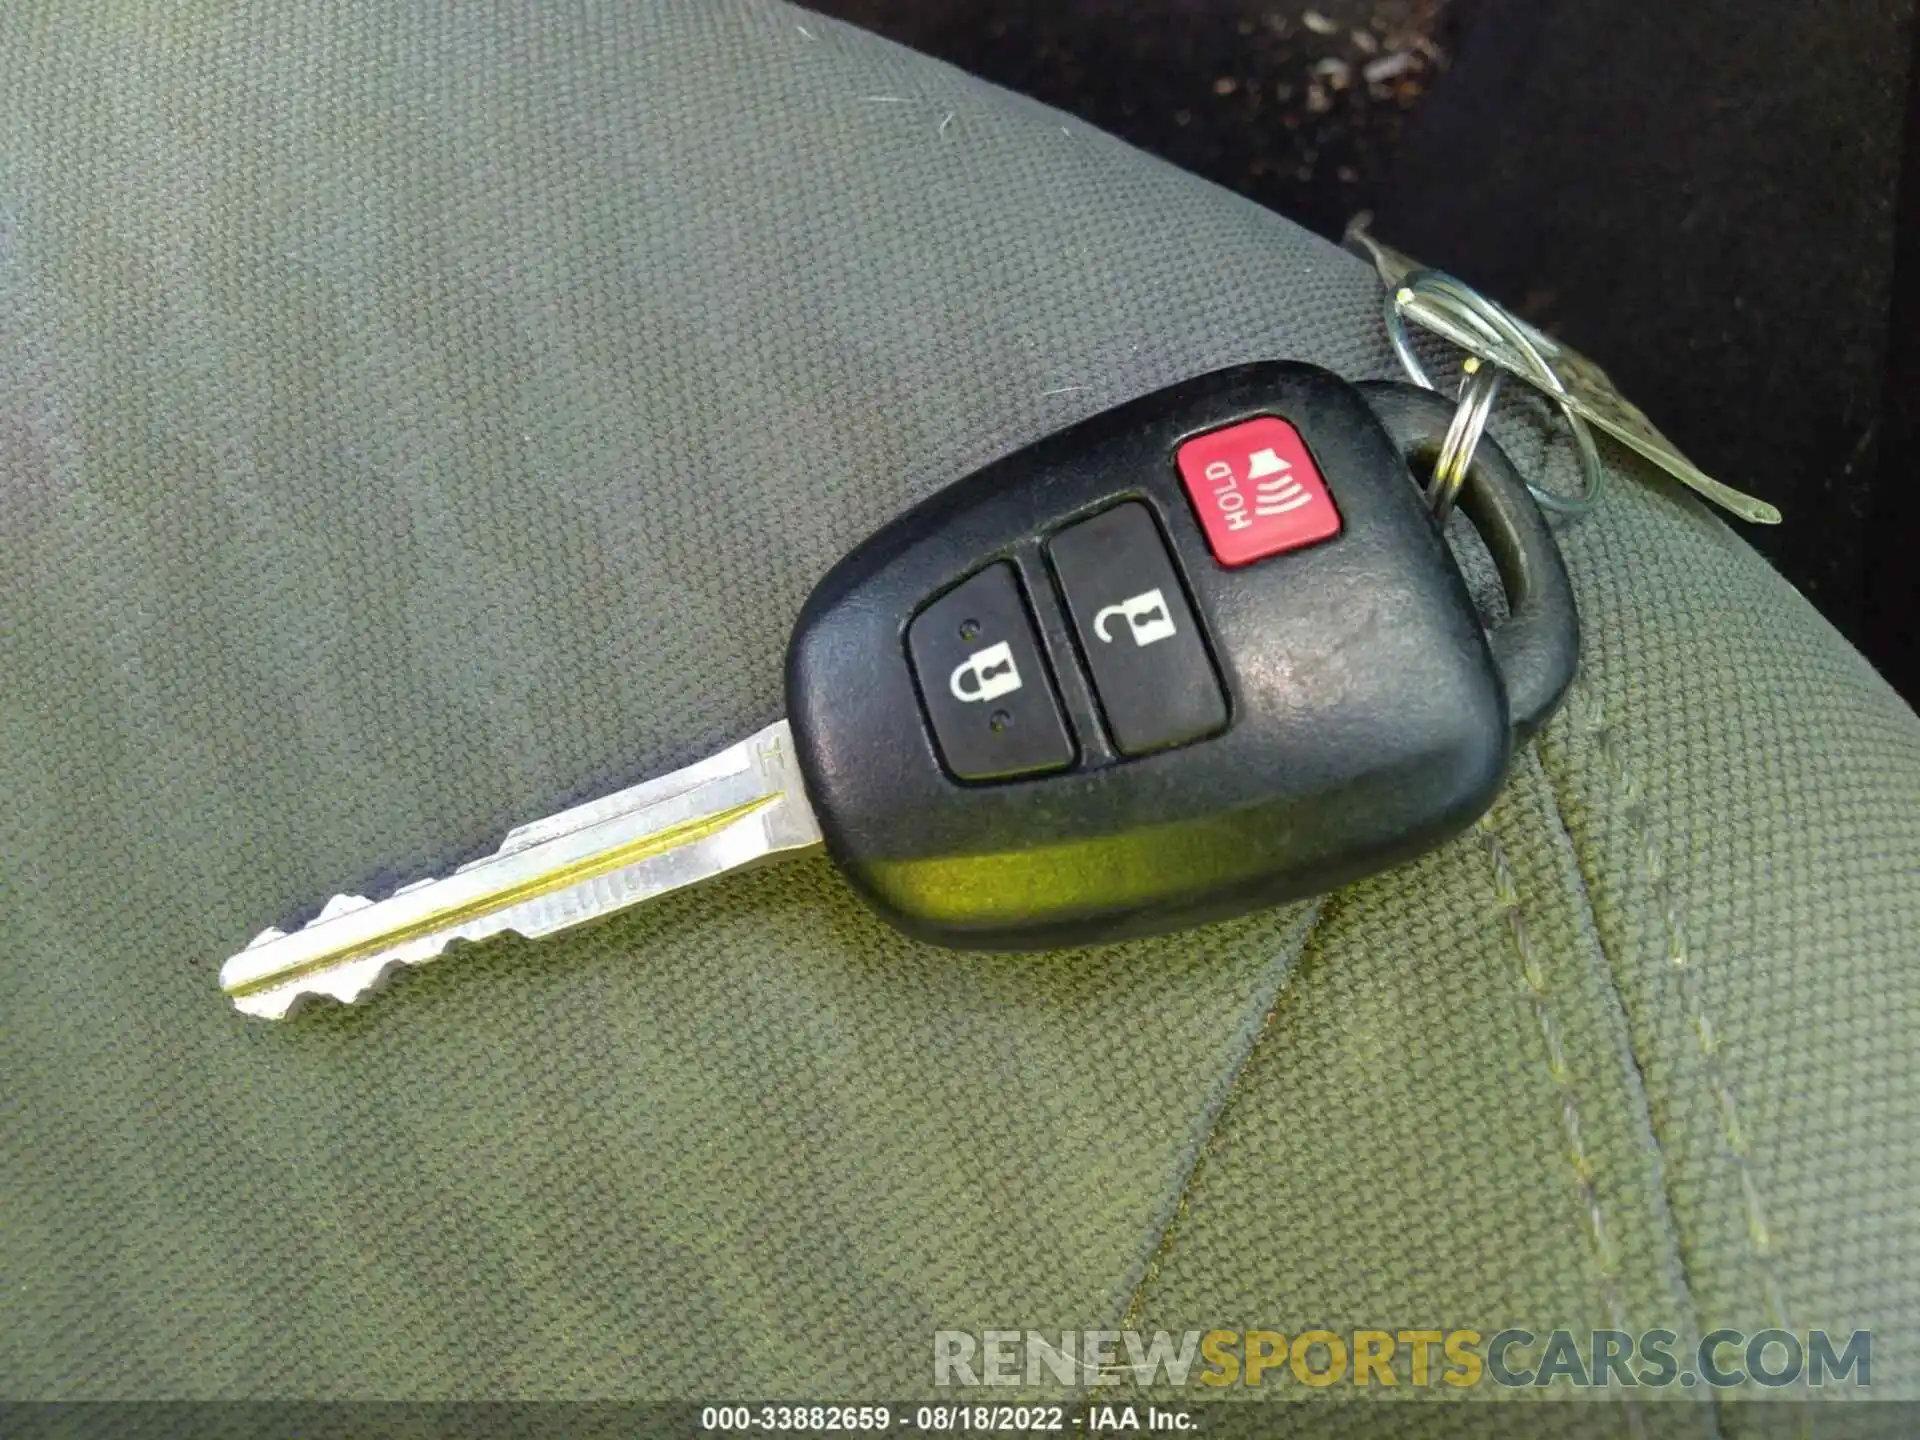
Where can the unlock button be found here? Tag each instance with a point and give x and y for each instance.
(1142, 641)
(984, 682)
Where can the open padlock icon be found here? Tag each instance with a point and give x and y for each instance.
(1145, 615)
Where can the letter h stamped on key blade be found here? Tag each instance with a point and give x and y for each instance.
(742, 805)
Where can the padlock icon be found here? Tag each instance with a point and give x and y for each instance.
(1146, 616)
(991, 671)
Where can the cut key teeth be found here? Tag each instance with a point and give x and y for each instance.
(341, 905)
(739, 806)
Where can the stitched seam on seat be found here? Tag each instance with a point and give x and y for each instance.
(1582, 697)
(1680, 964)
(1662, 1170)
(1600, 1248)
(1169, 1232)
(1540, 997)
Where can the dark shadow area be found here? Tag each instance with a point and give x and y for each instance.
(1700, 196)
(1891, 623)
(1705, 204)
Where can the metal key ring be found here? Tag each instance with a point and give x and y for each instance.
(1470, 308)
(1478, 391)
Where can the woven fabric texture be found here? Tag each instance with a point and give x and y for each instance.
(414, 419)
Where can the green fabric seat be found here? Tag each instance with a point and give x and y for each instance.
(414, 418)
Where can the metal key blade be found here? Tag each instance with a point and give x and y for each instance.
(732, 809)
(1588, 389)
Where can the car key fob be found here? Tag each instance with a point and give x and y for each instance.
(1205, 652)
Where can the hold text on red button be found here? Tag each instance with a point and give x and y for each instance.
(1257, 490)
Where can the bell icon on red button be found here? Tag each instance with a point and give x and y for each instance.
(1257, 490)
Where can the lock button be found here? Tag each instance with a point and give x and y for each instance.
(1150, 666)
(985, 686)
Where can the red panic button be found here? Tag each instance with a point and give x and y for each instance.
(1257, 491)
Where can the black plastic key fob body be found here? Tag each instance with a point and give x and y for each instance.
(1204, 652)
